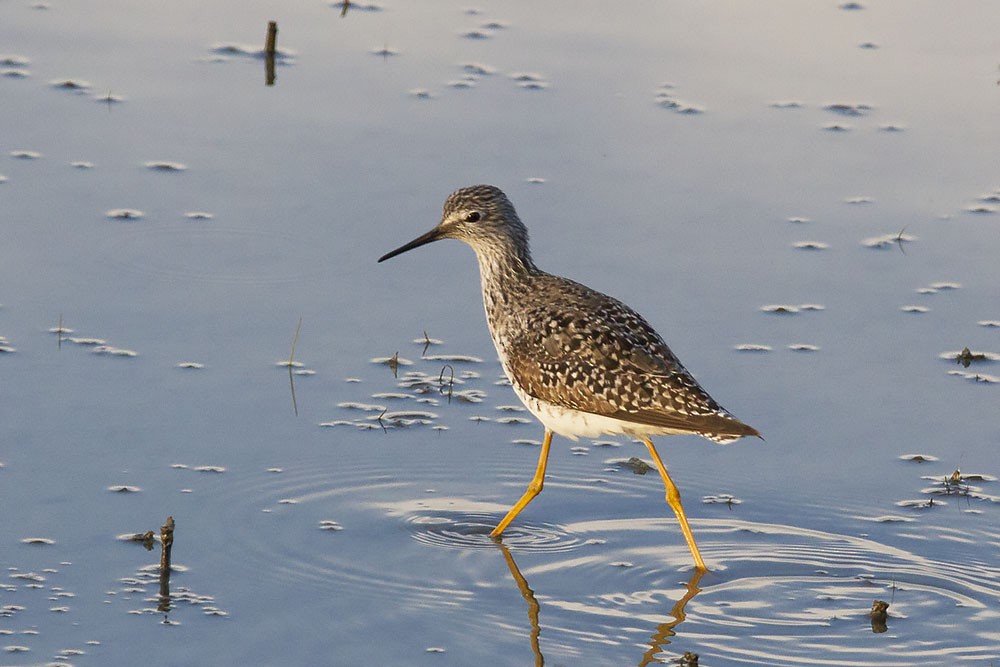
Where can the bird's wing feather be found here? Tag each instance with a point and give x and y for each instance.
(586, 351)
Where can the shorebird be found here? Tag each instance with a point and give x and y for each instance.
(584, 363)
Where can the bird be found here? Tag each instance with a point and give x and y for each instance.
(583, 363)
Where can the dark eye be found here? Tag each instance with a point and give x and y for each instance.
(473, 216)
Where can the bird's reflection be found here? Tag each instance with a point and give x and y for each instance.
(659, 639)
(529, 597)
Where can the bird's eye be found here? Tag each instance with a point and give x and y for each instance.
(473, 216)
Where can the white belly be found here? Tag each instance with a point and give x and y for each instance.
(574, 424)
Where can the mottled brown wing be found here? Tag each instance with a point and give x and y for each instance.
(594, 354)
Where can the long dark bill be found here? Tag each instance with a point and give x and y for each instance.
(424, 239)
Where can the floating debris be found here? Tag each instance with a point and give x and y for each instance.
(921, 504)
(780, 309)
(225, 50)
(919, 458)
(887, 518)
(163, 165)
(879, 615)
(109, 98)
(976, 377)
(635, 464)
(530, 80)
(664, 97)
(464, 358)
(752, 347)
(110, 351)
(345, 5)
(14, 60)
(364, 407)
(479, 69)
(71, 84)
(512, 420)
(394, 360)
(125, 214)
(470, 395)
(722, 499)
(886, 241)
(967, 357)
(846, 109)
(405, 417)
(85, 341)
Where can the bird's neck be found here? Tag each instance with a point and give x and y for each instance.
(507, 275)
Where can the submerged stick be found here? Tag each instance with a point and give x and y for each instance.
(270, 49)
(166, 543)
(272, 38)
(291, 364)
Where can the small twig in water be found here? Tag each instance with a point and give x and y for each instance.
(900, 239)
(166, 543)
(451, 381)
(291, 364)
(427, 343)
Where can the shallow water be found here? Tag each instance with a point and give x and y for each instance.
(803, 199)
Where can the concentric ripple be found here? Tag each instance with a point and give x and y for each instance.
(411, 536)
(471, 530)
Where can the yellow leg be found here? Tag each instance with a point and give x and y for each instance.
(674, 499)
(533, 489)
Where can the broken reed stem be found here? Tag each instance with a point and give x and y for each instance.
(166, 542)
(270, 48)
(270, 44)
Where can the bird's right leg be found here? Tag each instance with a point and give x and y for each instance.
(534, 488)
